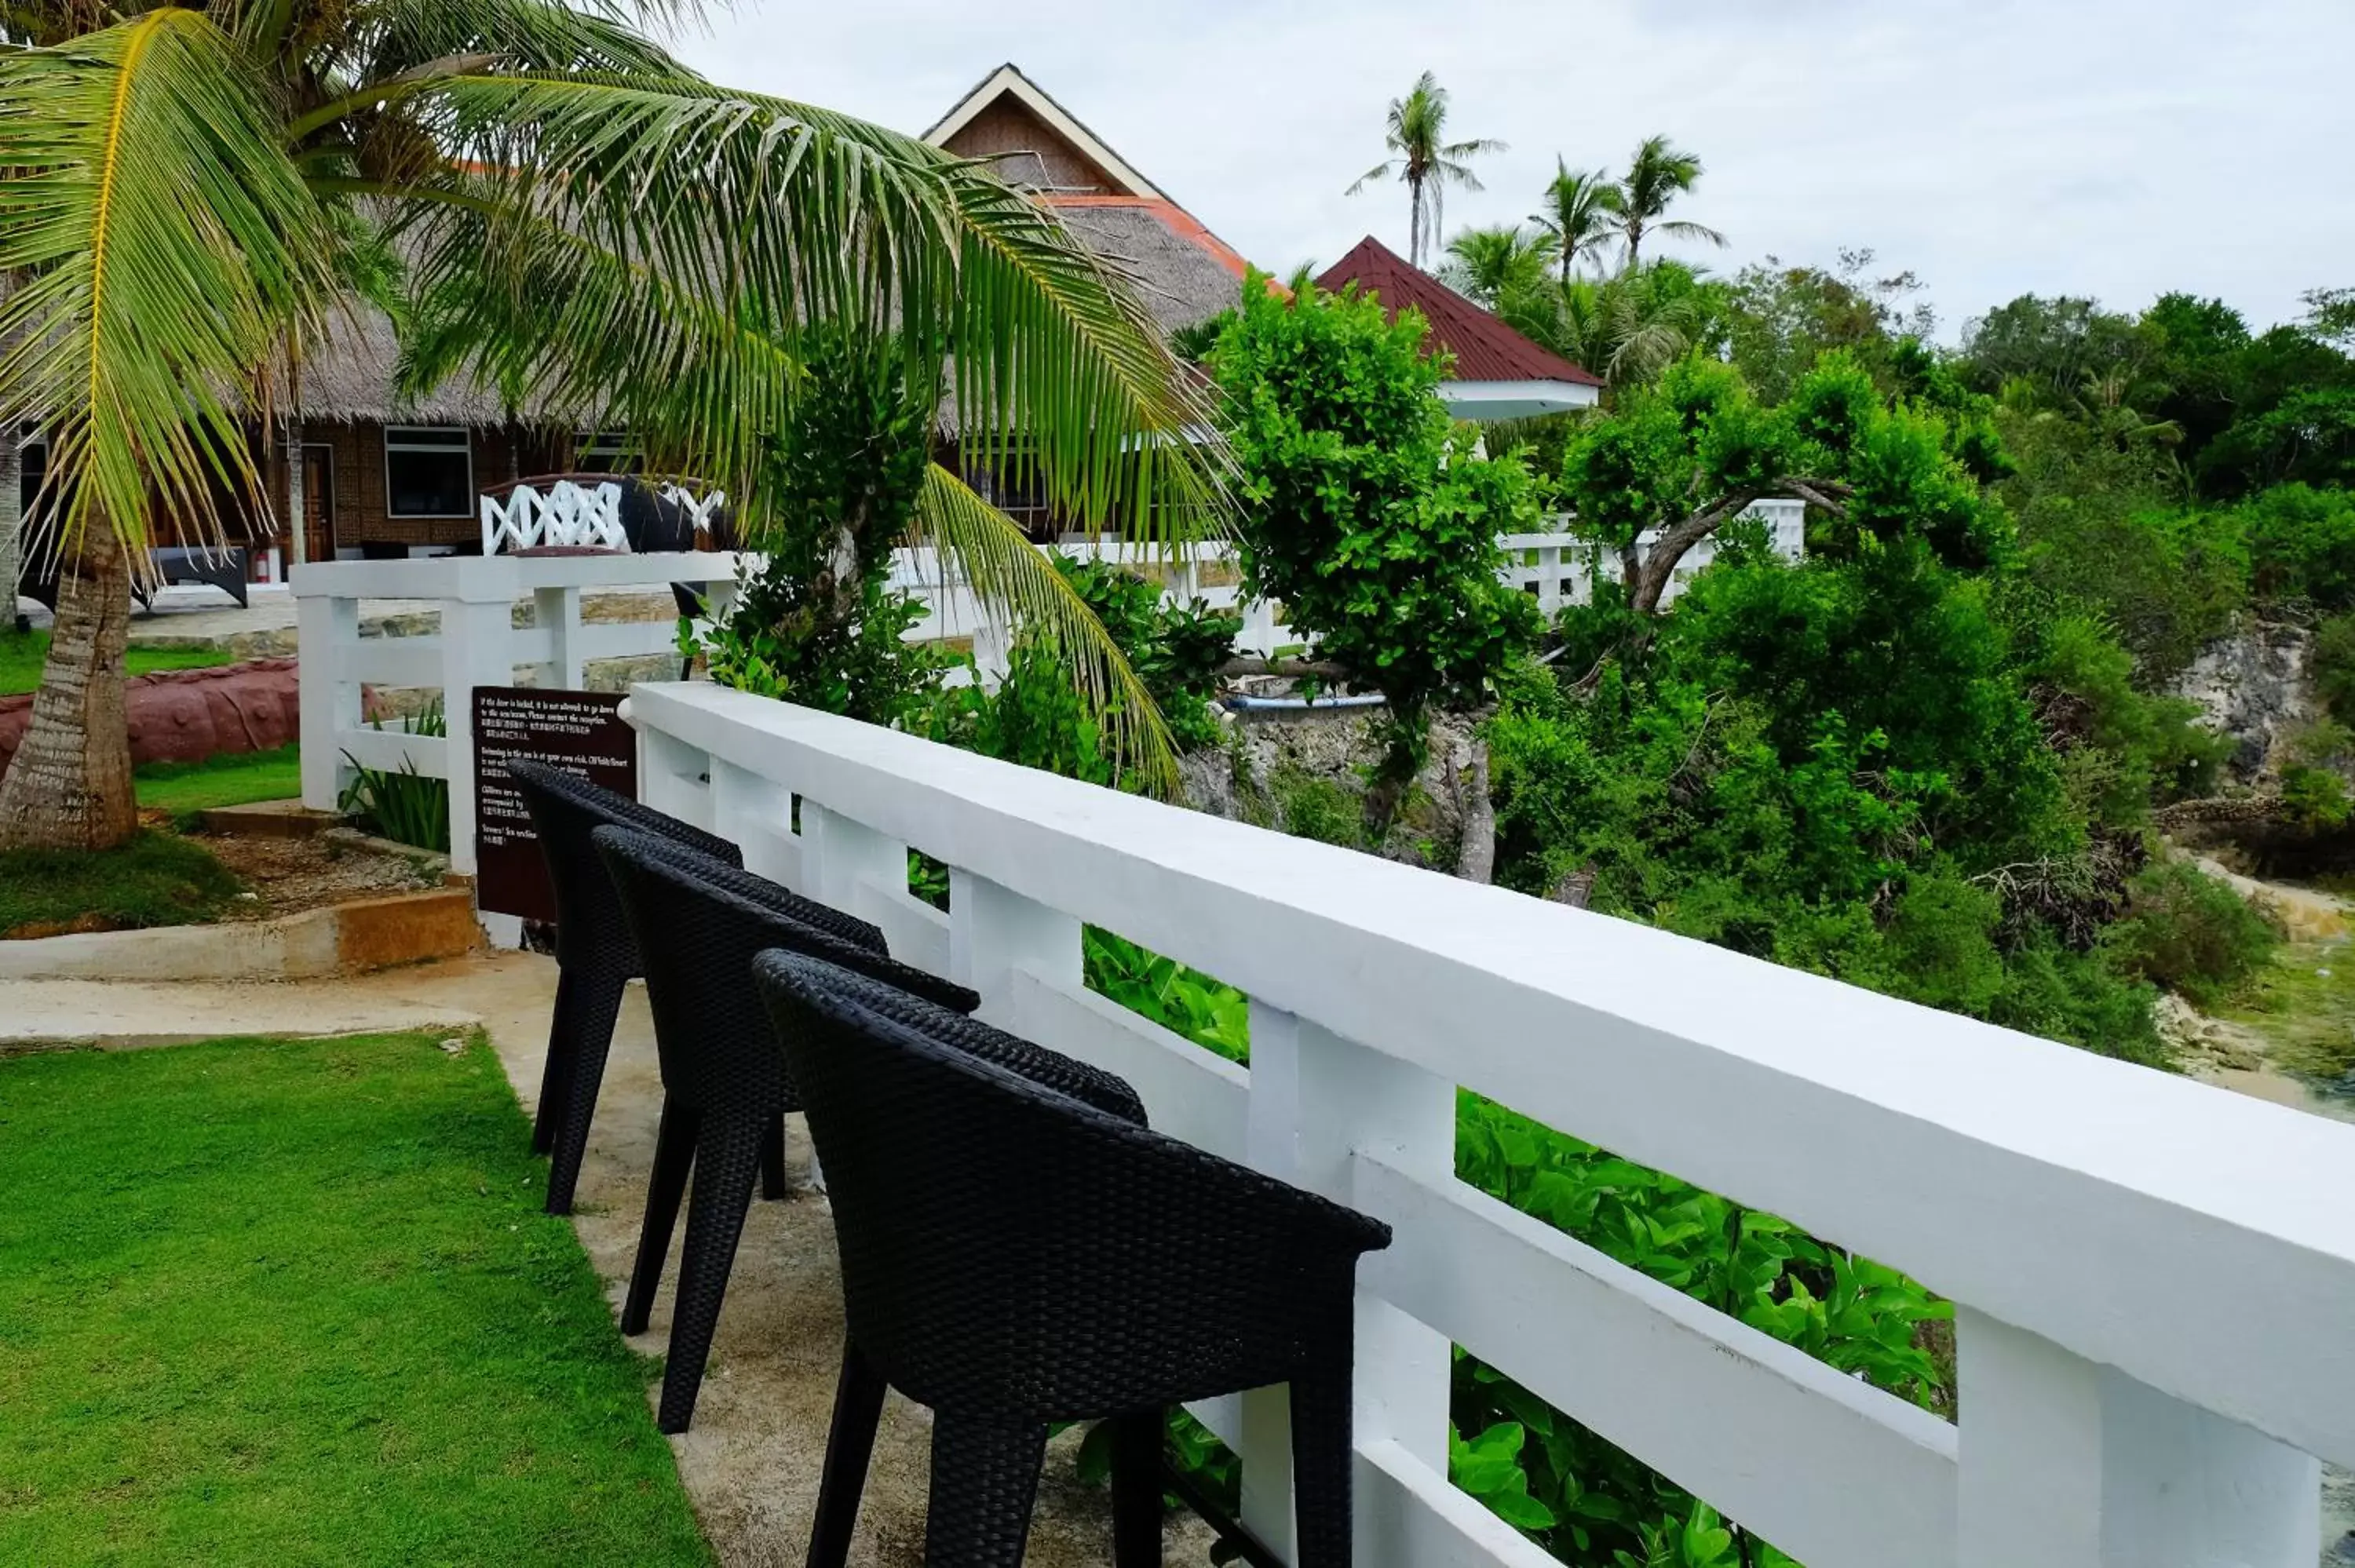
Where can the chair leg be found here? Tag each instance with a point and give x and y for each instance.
(727, 1164)
(984, 1484)
(674, 1156)
(858, 1406)
(586, 1006)
(1321, 1459)
(772, 1161)
(1136, 1488)
(550, 1113)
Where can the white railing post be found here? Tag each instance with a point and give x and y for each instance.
(755, 814)
(838, 853)
(1317, 1102)
(2068, 1464)
(556, 610)
(993, 932)
(477, 647)
(326, 627)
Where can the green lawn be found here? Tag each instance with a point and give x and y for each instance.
(155, 879)
(21, 655)
(295, 1303)
(233, 778)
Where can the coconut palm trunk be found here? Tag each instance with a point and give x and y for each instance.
(12, 520)
(70, 784)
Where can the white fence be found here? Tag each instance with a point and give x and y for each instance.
(2154, 1278)
(1557, 568)
(477, 644)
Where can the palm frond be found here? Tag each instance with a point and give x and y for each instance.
(794, 216)
(166, 242)
(1009, 574)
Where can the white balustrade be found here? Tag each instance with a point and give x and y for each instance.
(2154, 1278)
(568, 515)
(1557, 568)
(477, 643)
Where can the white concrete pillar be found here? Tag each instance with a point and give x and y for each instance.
(326, 631)
(839, 853)
(2068, 1464)
(1316, 1100)
(556, 610)
(993, 931)
(478, 650)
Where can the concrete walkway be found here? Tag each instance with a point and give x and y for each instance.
(752, 1460)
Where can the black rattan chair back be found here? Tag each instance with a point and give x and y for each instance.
(1007, 1244)
(594, 953)
(565, 809)
(698, 925)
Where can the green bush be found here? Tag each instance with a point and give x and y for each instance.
(403, 804)
(2190, 932)
(2302, 546)
(2334, 666)
(1308, 807)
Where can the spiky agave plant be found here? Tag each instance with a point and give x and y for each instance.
(184, 191)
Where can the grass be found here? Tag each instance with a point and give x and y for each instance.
(21, 654)
(155, 879)
(234, 778)
(296, 1302)
(2304, 1003)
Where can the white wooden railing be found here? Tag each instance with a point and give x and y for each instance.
(477, 644)
(1556, 568)
(2155, 1279)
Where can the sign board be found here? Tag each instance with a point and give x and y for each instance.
(581, 732)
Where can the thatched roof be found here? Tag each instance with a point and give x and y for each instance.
(1184, 273)
(350, 378)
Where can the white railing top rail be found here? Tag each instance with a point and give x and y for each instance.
(485, 578)
(2201, 1243)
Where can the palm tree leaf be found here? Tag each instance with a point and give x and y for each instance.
(989, 551)
(165, 240)
(796, 214)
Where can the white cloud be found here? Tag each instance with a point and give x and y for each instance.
(2117, 148)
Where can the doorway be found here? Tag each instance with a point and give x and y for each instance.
(319, 503)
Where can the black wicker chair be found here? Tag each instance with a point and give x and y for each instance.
(1013, 1257)
(596, 956)
(699, 924)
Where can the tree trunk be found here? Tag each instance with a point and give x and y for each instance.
(70, 784)
(1476, 852)
(12, 521)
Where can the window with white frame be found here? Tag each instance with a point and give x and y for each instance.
(428, 472)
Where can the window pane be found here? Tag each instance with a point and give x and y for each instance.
(428, 483)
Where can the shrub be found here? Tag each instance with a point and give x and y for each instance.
(1313, 808)
(403, 804)
(2334, 666)
(2190, 932)
(2302, 546)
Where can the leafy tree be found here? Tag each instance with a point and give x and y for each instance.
(1628, 327)
(2053, 346)
(193, 193)
(1493, 266)
(2330, 316)
(1364, 512)
(1577, 216)
(1679, 461)
(1657, 175)
(1780, 320)
(1415, 132)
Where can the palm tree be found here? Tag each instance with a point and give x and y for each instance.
(1577, 212)
(1425, 160)
(1493, 267)
(1627, 329)
(585, 218)
(1657, 175)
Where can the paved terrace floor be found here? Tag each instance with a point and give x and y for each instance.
(751, 1461)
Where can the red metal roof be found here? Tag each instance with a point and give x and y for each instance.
(1485, 349)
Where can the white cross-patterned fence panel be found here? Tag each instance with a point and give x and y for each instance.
(567, 516)
(2153, 1277)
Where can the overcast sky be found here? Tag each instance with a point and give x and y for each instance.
(2117, 148)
